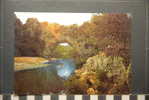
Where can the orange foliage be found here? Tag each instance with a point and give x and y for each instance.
(55, 30)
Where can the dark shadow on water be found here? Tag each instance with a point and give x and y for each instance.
(45, 80)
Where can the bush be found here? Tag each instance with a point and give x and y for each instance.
(101, 75)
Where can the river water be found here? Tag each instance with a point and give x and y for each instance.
(48, 79)
(64, 67)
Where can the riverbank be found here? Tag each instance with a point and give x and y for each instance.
(23, 63)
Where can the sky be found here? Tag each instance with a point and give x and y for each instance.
(60, 18)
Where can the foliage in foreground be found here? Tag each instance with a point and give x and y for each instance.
(101, 75)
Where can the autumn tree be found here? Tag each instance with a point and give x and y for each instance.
(115, 30)
(18, 36)
(28, 39)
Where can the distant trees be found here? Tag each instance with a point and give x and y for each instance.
(28, 38)
(107, 32)
(110, 33)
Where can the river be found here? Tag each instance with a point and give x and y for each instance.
(47, 79)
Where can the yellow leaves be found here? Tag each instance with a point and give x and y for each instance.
(109, 75)
(87, 81)
(103, 74)
(102, 54)
(91, 91)
(77, 71)
(93, 81)
(55, 30)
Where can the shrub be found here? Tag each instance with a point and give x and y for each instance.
(101, 74)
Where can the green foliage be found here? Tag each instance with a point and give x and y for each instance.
(105, 63)
(64, 51)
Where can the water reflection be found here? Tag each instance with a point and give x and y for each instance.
(64, 67)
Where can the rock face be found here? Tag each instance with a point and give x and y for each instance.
(43, 79)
